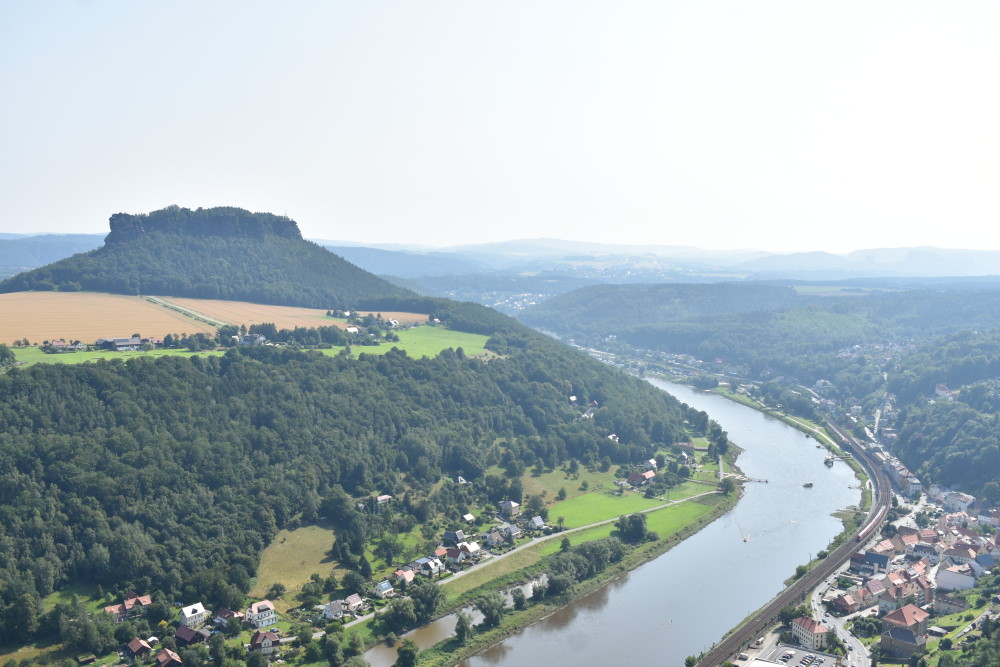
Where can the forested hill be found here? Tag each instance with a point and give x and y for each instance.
(763, 326)
(173, 474)
(217, 253)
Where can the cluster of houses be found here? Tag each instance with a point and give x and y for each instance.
(915, 572)
(457, 550)
(193, 627)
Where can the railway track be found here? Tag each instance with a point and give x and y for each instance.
(759, 623)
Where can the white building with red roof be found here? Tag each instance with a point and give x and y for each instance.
(809, 633)
(261, 614)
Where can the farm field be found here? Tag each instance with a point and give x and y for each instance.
(87, 316)
(283, 317)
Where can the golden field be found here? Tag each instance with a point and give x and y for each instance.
(87, 316)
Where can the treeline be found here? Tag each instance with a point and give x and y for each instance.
(171, 475)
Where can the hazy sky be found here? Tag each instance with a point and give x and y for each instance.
(773, 125)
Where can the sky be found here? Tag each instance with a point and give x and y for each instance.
(780, 126)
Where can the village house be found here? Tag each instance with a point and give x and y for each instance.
(132, 606)
(193, 615)
(333, 610)
(167, 658)
(956, 577)
(186, 636)
(468, 518)
(494, 539)
(536, 523)
(353, 603)
(453, 537)
(509, 508)
(904, 632)
(265, 642)
(138, 649)
(225, 616)
(404, 575)
(510, 530)
(932, 552)
(845, 603)
(384, 589)
(261, 614)
(641, 478)
(472, 550)
(809, 633)
(431, 567)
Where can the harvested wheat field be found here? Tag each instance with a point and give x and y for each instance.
(87, 316)
(283, 317)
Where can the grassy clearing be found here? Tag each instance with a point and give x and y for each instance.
(291, 558)
(418, 342)
(600, 505)
(548, 484)
(425, 342)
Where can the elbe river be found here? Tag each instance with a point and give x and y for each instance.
(682, 602)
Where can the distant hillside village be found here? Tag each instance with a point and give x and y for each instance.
(911, 574)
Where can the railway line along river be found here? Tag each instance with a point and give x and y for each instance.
(685, 600)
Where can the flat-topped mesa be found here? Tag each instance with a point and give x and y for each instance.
(225, 221)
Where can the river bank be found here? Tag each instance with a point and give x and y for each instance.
(451, 652)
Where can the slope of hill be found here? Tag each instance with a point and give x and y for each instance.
(171, 475)
(20, 253)
(218, 253)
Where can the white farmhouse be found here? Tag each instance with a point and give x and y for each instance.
(193, 615)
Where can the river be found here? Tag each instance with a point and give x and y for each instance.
(685, 600)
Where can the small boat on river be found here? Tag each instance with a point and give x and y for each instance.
(807, 485)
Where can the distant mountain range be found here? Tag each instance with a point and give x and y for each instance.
(512, 275)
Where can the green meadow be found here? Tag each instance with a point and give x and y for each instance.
(422, 341)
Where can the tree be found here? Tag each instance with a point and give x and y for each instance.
(727, 486)
(632, 527)
(217, 649)
(565, 545)
(354, 644)
(427, 598)
(276, 590)
(492, 606)
(352, 582)
(256, 659)
(406, 654)
(520, 599)
(562, 493)
(400, 615)
(463, 627)
(788, 614)
(690, 661)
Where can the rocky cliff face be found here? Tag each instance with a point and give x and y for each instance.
(221, 221)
